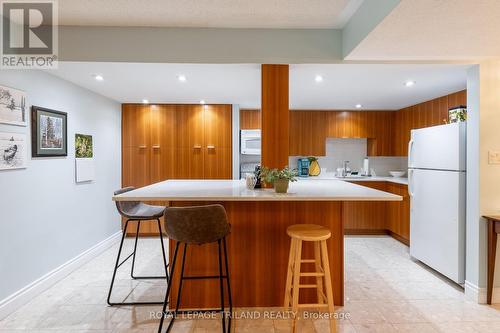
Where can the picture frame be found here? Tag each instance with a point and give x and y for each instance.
(13, 107)
(49, 132)
(13, 151)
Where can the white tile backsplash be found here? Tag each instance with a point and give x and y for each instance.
(354, 151)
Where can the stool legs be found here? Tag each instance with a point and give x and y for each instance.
(328, 285)
(118, 264)
(221, 278)
(322, 271)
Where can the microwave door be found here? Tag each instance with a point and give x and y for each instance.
(251, 146)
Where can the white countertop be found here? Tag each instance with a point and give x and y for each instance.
(235, 190)
(397, 180)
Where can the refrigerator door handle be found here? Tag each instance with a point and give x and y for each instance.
(410, 149)
(410, 181)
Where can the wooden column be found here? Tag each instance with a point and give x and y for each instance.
(275, 116)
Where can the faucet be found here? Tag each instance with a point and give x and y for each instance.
(344, 169)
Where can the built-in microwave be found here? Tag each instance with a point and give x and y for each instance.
(250, 142)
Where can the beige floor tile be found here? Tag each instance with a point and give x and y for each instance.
(386, 291)
(374, 328)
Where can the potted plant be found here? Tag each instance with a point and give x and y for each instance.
(279, 178)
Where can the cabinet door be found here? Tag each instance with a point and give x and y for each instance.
(189, 126)
(308, 133)
(136, 126)
(398, 219)
(162, 142)
(365, 217)
(218, 126)
(135, 166)
(218, 163)
(189, 163)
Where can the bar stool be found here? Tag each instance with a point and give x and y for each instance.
(196, 226)
(317, 234)
(137, 211)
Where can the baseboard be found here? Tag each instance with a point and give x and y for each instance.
(26, 294)
(478, 295)
(365, 232)
(399, 238)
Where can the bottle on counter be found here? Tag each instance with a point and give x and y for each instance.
(257, 175)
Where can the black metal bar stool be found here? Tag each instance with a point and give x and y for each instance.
(137, 211)
(196, 226)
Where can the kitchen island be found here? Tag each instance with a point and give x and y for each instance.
(258, 245)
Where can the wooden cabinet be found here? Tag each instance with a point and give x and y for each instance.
(365, 218)
(168, 141)
(368, 218)
(398, 213)
(430, 113)
(250, 119)
(307, 133)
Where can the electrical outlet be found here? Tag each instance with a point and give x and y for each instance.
(494, 157)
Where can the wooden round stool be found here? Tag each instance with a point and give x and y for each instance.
(317, 234)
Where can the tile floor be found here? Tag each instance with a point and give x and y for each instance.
(385, 292)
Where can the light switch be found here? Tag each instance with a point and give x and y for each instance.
(494, 157)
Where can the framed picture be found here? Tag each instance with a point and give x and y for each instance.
(13, 148)
(13, 109)
(49, 132)
(83, 146)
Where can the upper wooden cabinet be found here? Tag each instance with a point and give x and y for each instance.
(307, 133)
(136, 122)
(430, 113)
(250, 119)
(309, 130)
(217, 126)
(166, 141)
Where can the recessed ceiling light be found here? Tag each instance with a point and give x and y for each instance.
(409, 83)
(98, 77)
(145, 101)
(202, 101)
(318, 78)
(182, 78)
(358, 106)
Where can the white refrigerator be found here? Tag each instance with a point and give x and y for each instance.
(436, 185)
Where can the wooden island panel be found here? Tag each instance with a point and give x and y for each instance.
(258, 249)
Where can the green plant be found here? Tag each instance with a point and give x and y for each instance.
(270, 175)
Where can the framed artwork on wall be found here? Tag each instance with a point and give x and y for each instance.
(13, 108)
(49, 132)
(13, 148)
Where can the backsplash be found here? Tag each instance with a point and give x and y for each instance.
(354, 151)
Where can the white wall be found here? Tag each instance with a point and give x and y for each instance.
(354, 151)
(47, 219)
(483, 179)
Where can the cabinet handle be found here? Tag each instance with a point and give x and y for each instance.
(143, 146)
(197, 147)
(210, 147)
(156, 147)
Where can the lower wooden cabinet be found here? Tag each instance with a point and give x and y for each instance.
(364, 217)
(369, 218)
(398, 213)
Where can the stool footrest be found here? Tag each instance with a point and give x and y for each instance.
(312, 274)
(308, 286)
(307, 261)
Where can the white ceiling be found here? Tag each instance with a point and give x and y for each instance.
(378, 86)
(209, 13)
(435, 30)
